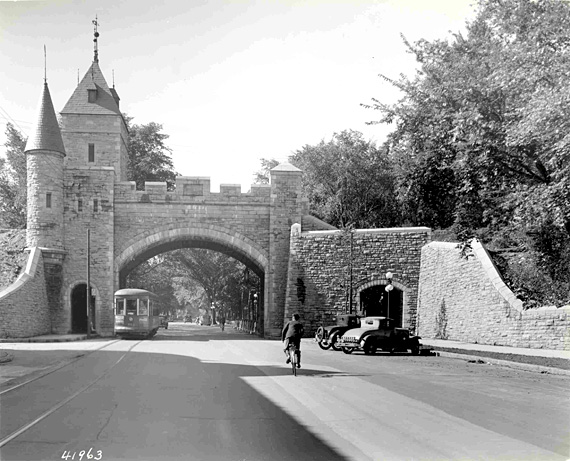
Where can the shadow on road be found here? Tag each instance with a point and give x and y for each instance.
(205, 401)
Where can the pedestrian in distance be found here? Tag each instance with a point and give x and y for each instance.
(292, 333)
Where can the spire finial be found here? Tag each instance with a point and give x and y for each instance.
(45, 65)
(96, 35)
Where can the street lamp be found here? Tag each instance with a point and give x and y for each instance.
(254, 313)
(388, 289)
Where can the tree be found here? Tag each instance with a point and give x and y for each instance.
(482, 129)
(348, 180)
(263, 175)
(149, 157)
(13, 181)
(155, 275)
(490, 106)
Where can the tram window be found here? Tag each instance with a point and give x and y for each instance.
(132, 306)
(120, 307)
(143, 306)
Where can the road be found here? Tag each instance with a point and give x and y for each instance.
(196, 393)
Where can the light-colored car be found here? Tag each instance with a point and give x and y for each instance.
(379, 333)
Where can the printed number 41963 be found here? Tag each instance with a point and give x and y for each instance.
(96, 455)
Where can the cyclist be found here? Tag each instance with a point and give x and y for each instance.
(293, 332)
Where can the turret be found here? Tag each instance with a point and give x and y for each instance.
(44, 159)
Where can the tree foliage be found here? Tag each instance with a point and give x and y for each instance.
(13, 181)
(482, 131)
(262, 176)
(349, 181)
(149, 156)
(222, 278)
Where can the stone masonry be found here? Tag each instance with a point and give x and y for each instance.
(78, 197)
(465, 300)
(319, 270)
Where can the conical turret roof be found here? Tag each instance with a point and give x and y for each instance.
(104, 104)
(46, 134)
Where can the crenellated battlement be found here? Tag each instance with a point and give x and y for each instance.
(189, 188)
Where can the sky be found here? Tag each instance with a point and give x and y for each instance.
(230, 81)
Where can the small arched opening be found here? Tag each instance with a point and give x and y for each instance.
(376, 301)
(79, 309)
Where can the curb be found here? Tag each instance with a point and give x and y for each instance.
(46, 340)
(506, 363)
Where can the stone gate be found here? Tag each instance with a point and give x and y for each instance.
(77, 186)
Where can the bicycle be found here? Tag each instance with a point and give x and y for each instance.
(292, 350)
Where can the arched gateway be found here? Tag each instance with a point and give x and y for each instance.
(77, 182)
(77, 171)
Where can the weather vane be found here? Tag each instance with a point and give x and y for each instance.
(96, 35)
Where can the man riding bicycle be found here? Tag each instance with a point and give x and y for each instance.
(292, 333)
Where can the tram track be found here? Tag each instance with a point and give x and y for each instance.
(57, 367)
(5, 440)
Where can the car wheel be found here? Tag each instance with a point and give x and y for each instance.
(347, 350)
(369, 348)
(334, 342)
(320, 334)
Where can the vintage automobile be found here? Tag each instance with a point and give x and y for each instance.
(163, 322)
(377, 333)
(328, 337)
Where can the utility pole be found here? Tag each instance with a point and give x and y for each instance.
(350, 290)
(88, 285)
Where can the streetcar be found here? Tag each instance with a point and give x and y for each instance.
(136, 313)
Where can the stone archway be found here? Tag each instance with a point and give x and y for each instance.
(372, 300)
(213, 238)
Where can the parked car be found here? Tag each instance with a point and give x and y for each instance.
(328, 337)
(187, 319)
(163, 322)
(379, 333)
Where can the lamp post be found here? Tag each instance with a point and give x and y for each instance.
(254, 312)
(388, 289)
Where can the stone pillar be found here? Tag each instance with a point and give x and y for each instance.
(286, 209)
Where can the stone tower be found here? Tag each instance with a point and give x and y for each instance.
(95, 137)
(45, 155)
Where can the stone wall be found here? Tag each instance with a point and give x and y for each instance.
(89, 197)
(319, 270)
(465, 300)
(24, 305)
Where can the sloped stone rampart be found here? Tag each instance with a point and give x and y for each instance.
(466, 300)
(24, 307)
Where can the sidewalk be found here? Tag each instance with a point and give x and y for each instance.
(537, 360)
(47, 339)
(447, 344)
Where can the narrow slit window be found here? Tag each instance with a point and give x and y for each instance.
(48, 200)
(79, 205)
(91, 153)
(95, 205)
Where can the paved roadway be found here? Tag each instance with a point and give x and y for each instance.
(195, 393)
